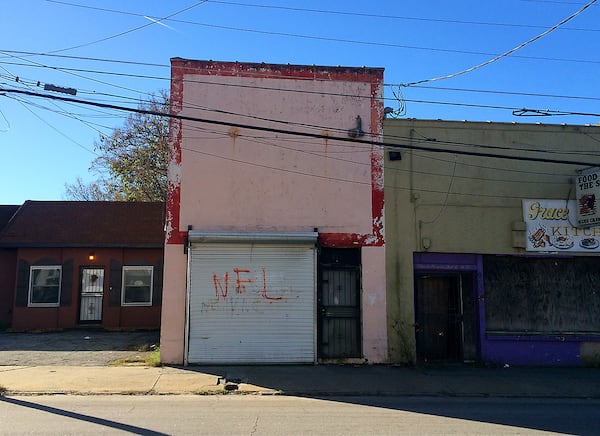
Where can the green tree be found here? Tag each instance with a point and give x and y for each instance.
(132, 160)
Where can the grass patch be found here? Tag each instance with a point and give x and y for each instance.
(150, 358)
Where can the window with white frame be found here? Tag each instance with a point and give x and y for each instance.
(44, 286)
(137, 286)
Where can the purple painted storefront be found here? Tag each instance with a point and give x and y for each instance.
(492, 345)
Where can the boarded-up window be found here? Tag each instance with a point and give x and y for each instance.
(542, 295)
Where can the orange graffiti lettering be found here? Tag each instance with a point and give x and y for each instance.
(219, 291)
(239, 282)
(264, 289)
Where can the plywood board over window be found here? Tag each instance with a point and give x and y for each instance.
(535, 296)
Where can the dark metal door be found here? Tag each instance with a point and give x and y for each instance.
(339, 314)
(439, 318)
(92, 290)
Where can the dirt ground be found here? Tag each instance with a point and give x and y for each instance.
(74, 347)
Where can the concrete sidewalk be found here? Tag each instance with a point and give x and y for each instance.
(319, 380)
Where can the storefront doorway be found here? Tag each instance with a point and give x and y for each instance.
(445, 309)
(338, 304)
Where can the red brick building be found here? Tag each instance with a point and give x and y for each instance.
(67, 264)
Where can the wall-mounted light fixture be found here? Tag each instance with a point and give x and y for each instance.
(357, 132)
(394, 155)
(92, 257)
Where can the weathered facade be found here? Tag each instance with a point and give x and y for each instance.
(275, 235)
(8, 262)
(70, 264)
(485, 260)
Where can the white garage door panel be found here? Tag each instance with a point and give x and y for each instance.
(252, 303)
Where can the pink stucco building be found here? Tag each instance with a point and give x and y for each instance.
(275, 233)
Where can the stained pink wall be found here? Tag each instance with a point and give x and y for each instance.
(225, 177)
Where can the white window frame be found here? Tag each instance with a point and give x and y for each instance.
(31, 303)
(124, 286)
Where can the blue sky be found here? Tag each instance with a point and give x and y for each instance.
(115, 52)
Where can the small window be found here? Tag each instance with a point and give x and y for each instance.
(137, 286)
(44, 286)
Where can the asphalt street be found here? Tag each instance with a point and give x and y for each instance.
(276, 415)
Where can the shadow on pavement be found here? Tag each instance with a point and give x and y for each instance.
(81, 417)
(564, 400)
(569, 416)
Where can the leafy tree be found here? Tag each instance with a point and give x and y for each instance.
(132, 160)
(81, 191)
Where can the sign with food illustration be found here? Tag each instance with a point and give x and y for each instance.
(552, 226)
(587, 192)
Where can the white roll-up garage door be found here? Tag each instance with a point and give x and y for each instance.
(252, 298)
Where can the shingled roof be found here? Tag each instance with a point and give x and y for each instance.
(85, 224)
(6, 213)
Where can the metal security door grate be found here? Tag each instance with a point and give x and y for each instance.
(92, 289)
(339, 304)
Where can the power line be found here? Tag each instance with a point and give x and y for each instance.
(357, 182)
(505, 54)
(498, 92)
(304, 134)
(517, 110)
(312, 37)
(341, 13)
(64, 135)
(221, 134)
(128, 31)
(190, 105)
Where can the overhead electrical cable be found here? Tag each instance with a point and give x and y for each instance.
(351, 41)
(404, 170)
(394, 169)
(332, 12)
(64, 135)
(499, 92)
(150, 64)
(47, 123)
(269, 141)
(407, 146)
(79, 75)
(505, 54)
(130, 30)
(517, 110)
(358, 182)
(321, 128)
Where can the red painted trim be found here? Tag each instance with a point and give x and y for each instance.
(377, 164)
(172, 221)
(181, 66)
(346, 240)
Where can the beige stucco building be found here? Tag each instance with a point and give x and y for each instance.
(275, 247)
(485, 259)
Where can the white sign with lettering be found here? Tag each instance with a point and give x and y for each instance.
(587, 192)
(552, 226)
